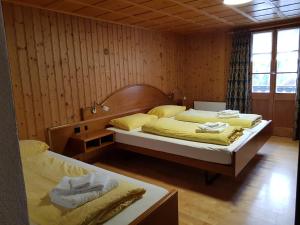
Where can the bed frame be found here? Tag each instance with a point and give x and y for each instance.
(141, 98)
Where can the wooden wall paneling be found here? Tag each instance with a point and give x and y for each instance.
(8, 12)
(78, 63)
(64, 61)
(96, 60)
(24, 71)
(72, 68)
(58, 68)
(54, 101)
(90, 61)
(42, 70)
(132, 56)
(84, 61)
(110, 41)
(206, 66)
(120, 55)
(128, 50)
(118, 72)
(102, 61)
(60, 63)
(124, 55)
(34, 74)
(107, 58)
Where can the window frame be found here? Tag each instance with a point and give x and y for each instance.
(273, 64)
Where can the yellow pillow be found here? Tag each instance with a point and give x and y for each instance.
(133, 121)
(167, 110)
(32, 147)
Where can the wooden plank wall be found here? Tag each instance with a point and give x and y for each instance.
(206, 66)
(60, 63)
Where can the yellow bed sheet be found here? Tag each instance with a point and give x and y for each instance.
(200, 116)
(186, 130)
(42, 173)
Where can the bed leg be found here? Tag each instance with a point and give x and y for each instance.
(210, 178)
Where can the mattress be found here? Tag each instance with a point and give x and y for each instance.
(153, 193)
(201, 151)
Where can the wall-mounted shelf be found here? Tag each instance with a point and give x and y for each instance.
(90, 141)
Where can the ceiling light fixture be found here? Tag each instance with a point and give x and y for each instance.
(236, 2)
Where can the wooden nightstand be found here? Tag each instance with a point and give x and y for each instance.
(80, 145)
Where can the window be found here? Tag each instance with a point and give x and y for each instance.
(261, 61)
(284, 70)
(287, 60)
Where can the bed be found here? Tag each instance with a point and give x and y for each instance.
(141, 98)
(156, 203)
(195, 150)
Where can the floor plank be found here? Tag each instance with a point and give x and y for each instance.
(264, 193)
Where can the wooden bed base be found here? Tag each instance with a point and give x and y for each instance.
(240, 157)
(164, 210)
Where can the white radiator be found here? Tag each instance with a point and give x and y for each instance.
(209, 106)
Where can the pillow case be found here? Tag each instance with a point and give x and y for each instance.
(32, 147)
(167, 110)
(132, 121)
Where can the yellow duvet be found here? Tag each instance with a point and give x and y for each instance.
(42, 173)
(200, 116)
(186, 130)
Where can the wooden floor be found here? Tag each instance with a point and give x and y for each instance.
(264, 194)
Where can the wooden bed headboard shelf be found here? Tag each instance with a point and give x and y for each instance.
(128, 100)
(131, 98)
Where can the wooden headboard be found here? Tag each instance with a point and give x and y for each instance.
(126, 101)
(129, 98)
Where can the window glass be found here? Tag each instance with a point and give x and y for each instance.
(287, 62)
(288, 40)
(286, 82)
(261, 63)
(262, 43)
(261, 83)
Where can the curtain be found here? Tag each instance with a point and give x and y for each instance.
(239, 82)
(297, 116)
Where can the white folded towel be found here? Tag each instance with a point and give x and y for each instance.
(83, 182)
(228, 114)
(210, 127)
(72, 192)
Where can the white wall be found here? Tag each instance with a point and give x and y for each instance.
(13, 207)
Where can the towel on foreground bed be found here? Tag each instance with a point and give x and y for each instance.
(209, 127)
(201, 116)
(187, 131)
(42, 173)
(72, 192)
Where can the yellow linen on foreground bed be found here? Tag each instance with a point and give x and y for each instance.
(200, 116)
(187, 131)
(42, 173)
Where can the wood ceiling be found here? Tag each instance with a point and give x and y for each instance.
(180, 16)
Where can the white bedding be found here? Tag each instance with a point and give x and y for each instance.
(202, 151)
(153, 193)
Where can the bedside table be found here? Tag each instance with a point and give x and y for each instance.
(80, 145)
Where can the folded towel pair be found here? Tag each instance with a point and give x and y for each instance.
(210, 127)
(72, 192)
(228, 114)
